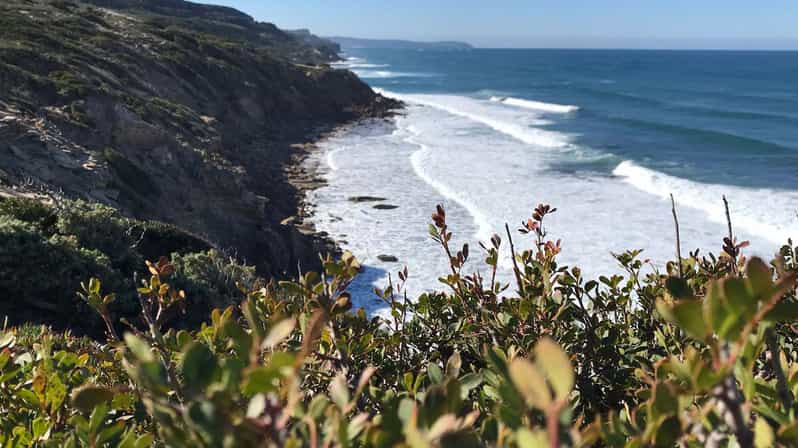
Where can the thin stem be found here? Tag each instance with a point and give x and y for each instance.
(515, 263)
(783, 390)
(678, 239)
(731, 234)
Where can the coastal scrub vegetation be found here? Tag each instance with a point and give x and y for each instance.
(701, 354)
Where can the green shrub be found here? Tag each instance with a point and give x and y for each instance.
(31, 211)
(46, 252)
(100, 227)
(39, 274)
(212, 280)
(703, 354)
(158, 238)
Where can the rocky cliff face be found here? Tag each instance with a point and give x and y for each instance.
(169, 110)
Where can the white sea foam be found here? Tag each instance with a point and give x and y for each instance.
(441, 150)
(535, 105)
(420, 158)
(358, 65)
(479, 111)
(763, 212)
(383, 74)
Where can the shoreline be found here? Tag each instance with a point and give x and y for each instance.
(305, 177)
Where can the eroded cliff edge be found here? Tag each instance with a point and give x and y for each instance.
(172, 111)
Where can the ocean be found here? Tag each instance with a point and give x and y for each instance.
(604, 136)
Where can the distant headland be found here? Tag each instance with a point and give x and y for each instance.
(354, 42)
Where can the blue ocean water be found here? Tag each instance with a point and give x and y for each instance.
(606, 136)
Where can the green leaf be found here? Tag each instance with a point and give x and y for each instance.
(198, 367)
(738, 298)
(435, 373)
(56, 392)
(759, 279)
(530, 383)
(85, 398)
(554, 362)
(784, 311)
(261, 380)
(687, 315)
(679, 288)
(139, 348)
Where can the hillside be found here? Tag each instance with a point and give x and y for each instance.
(169, 110)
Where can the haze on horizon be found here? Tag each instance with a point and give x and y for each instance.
(677, 24)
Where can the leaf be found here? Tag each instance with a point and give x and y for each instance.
(139, 348)
(530, 383)
(278, 333)
(365, 377)
(763, 434)
(453, 365)
(198, 366)
(261, 380)
(556, 365)
(85, 398)
(6, 339)
(56, 392)
(531, 438)
(759, 279)
(784, 311)
(713, 307)
(679, 288)
(738, 298)
(435, 373)
(689, 316)
(339, 391)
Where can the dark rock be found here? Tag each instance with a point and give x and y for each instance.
(366, 199)
(387, 258)
(385, 206)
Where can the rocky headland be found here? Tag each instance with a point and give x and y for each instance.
(168, 110)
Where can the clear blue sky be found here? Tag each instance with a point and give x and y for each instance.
(740, 24)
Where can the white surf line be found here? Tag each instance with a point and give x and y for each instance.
(484, 230)
(707, 198)
(530, 136)
(536, 105)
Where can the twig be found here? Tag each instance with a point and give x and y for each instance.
(785, 395)
(678, 239)
(730, 405)
(728, 218)
(515, 263)
(733, 255)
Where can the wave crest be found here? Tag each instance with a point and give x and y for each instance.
(763, 212)
(536, 105)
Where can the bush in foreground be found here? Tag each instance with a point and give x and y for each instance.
(703, 355)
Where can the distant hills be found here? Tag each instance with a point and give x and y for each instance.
(354, 42)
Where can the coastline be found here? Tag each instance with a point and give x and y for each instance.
(304, 175)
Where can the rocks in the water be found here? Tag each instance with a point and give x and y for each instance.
(385, 206)
(387, 258)
(366, 199)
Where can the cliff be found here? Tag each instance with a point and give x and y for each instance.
(172, 111)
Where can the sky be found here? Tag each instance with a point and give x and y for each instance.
(715, 24)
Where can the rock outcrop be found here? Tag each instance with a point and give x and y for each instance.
(172, 111)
